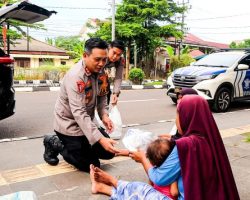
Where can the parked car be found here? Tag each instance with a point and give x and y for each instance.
(25, 12)
(221, 78)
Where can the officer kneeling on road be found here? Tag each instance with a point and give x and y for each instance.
(83, 90)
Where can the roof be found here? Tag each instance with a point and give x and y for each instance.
(34, 47)
(196, 53)
(191, 39)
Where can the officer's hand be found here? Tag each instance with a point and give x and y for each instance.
(114, 99)
(108, 123)
(107, 144)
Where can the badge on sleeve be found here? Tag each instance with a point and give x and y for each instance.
(80, 86)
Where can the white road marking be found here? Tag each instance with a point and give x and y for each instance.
(139, 100)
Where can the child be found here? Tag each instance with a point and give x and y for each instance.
(157, 152)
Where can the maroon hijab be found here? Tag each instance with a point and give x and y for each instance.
(205, 167)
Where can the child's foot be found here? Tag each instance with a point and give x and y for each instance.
(96, 186)
(103, 177)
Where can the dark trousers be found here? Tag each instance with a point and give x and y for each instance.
(109, 93)
(79, 153)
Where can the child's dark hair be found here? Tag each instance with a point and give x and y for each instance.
(118, 44)
(92, 43)
(158, 151)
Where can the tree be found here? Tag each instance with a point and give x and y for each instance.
(244, 44)
(137, 21)
(72, 44)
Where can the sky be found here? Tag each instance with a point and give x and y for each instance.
(220, 21)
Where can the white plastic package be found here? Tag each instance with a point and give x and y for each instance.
(173, 130)
(22, 195)
(98, 121)
(115, 116)
(136, 139)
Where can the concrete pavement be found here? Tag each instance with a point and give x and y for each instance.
(22, 168)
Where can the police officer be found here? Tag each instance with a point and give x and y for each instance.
(114, 69)
(83, 90)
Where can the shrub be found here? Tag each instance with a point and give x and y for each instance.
(136, 75)
(47, 72)
(180, 61)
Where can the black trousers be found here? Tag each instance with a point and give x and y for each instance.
(109, 93)
(79, 153)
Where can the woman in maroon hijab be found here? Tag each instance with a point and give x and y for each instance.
(198, 162)
(205, 167)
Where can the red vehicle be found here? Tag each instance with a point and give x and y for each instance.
(25, 12)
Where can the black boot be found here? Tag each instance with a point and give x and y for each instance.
(53, 146)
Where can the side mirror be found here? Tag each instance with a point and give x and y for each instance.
(242, 67)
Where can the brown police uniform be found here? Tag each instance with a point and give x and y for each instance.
(114, 71)
(80, 93)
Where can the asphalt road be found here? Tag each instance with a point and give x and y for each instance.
(34, 112)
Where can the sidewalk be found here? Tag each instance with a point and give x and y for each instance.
(49, 85)
(22, 168)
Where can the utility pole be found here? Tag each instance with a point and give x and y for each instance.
(113, 19)
(135, 55)
(28, 45)
(183, 28)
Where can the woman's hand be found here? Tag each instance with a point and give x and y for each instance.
(137, 156)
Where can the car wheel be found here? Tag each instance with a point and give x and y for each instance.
(222, 100)
(174, 100)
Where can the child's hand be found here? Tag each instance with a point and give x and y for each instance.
(122, 152)
(137, 156)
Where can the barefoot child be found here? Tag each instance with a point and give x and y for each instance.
(157, 153)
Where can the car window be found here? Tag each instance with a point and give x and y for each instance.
(245, 60)
(218, 60)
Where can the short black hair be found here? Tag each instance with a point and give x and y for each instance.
(92, 43)
(118, 44)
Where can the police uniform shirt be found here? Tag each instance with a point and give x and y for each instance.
(79, 93)
(117, 75)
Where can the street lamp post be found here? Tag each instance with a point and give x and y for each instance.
(113, 20)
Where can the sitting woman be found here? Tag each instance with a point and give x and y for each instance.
(198, 162)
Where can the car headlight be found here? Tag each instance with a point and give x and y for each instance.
(206, 77)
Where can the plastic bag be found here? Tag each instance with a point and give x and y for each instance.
(22, 195)
(136, 139)
(173, 131)
(115, 116)
(98, 121)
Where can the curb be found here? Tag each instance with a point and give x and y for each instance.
(49, 85)
(225, 133)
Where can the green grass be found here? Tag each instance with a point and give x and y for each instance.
(155, 83)
(247, 139)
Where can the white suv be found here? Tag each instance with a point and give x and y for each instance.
(220, 78)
